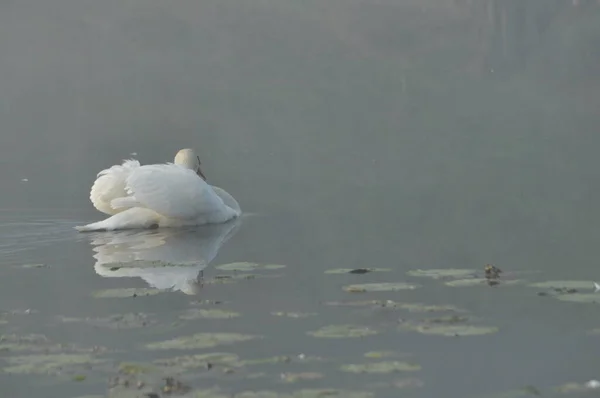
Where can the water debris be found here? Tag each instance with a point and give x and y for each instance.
(24, 179)
(343, 331)
(411, 307)
(596, 287)
(200, 340)
(126, 292)
(295, 315)
(358, 271)
(492, 272)
(79, 378)
(302, 376)
(134, 368)
(174, 386)
(245, 267)
(380, 287)
(195, 313)
(443, 273)
(118, 321)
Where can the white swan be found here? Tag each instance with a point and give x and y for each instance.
(159, 195)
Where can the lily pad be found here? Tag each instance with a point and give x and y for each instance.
(119, 321)
(356, 270)
(381, 367)
(126, 292)
(294, 314)
(564, 285)
(343, 331)
(196, 313)
(245, 267)
(34, 343)
(200, 340)
(306, 393)
(53, 364)
(380, 287)
(442, 273)
(528, 391)
(131, 368)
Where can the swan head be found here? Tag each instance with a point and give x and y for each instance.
(188, 159)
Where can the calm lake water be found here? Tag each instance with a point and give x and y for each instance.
(343, 155)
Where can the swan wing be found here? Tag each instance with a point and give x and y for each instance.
(170, 190)
(110, 184)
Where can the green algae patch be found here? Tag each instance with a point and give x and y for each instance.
(126, 292)
(246, 267)
(195, 313)
(380, 287)
(458, 273)
(343, 331)
(201, 340)
(356, 271)
(381, 367)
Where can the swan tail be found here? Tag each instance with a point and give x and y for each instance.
(134, 218)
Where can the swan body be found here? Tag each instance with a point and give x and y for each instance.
(159, 195)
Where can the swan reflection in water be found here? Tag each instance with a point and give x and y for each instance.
(167, 259)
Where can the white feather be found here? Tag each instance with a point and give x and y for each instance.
(110, 184)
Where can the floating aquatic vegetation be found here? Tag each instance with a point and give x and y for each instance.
(579, 297)
(34, 343)
(586, 285)
(118, 321)
(131, 368)
(34, 266)
(294, 314)
(411, 307)
(447, 326)
(357, 271)
(380, 287)
(199, 361)
(126, 292)
(381, 354)
(245, 267)
(306, 393)
(211, 393)
(528, 391)
(569, 291)
(343, 331)
(195, 313)
(381, 367)
(54, 364)
(442, 273)
(200, 340)
(481, 282)
(408, 382)
(302, 376)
